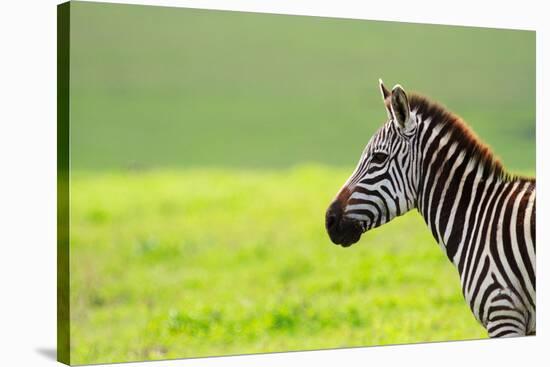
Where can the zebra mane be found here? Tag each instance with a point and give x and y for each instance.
(461, 133)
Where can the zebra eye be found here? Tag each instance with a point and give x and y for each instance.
(379, 157)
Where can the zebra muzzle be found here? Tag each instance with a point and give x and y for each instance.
(342, 230)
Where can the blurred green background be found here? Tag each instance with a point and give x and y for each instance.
(205, 147)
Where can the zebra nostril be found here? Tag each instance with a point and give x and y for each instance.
(334, 213)
(331, 220)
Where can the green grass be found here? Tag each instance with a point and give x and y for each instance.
(208, 262)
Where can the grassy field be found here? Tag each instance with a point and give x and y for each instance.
(205, 148)
(160, 270)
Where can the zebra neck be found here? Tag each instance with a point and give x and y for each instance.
(452, 178)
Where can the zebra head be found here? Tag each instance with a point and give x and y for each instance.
(383, 183)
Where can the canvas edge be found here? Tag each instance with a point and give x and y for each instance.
(63, 172)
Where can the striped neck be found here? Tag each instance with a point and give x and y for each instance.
(453, 168)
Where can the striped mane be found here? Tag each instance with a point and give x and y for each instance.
(461, 133)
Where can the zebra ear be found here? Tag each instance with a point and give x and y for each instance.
(383, 90)
(400, 109)
(385, 94)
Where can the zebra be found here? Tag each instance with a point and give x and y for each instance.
(483, 217)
